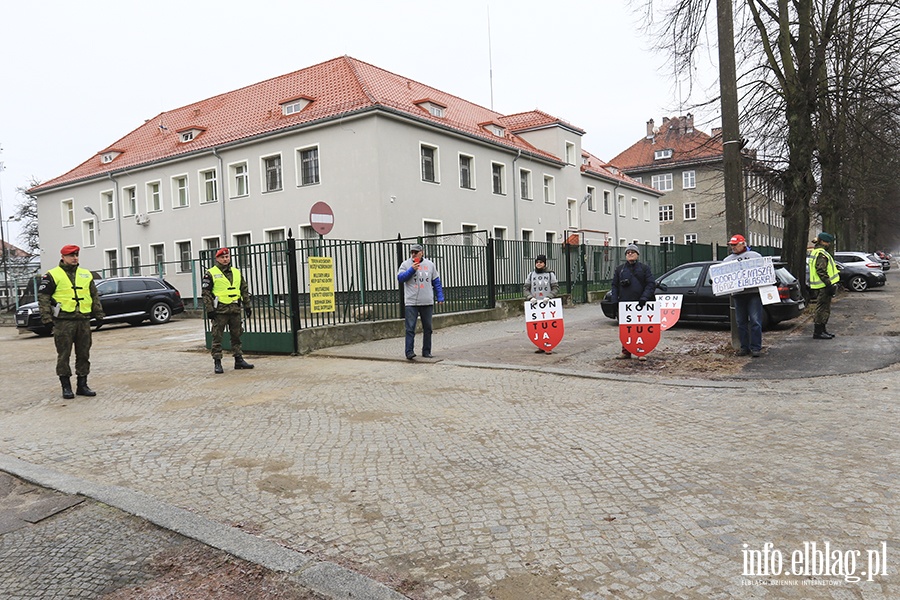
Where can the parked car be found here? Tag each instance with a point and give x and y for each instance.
(124, 299)
(883, 259)
(692, 280)
(858, 278)
(870, 261)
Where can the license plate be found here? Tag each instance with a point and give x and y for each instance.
(21, 321)
(802, 305)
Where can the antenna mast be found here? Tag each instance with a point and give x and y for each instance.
(490, 57)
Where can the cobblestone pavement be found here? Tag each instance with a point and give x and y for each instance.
(492, 472)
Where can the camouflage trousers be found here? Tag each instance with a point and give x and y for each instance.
(69, 332)
(823, 307)
(231, 321)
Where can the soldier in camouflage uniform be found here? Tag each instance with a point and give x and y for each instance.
(68, 298)
(224, 293)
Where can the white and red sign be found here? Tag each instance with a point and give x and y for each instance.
(544, 323)
(639, 328)
(669, 306)
(321, 218)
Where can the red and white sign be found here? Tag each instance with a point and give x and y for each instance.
(639, 328)
(321, 218)
(669, 309)
(544, 323)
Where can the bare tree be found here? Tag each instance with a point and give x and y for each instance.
(26, 211)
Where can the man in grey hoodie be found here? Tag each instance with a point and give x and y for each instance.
(421, 285)
(541, 284)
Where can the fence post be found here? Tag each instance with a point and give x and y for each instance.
(582, 254)
(400, 285)
(567, 250)
(490, 256)
(294, 289)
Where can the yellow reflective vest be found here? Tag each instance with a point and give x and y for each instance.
(223, 290)
(815, 282)
(71, 298)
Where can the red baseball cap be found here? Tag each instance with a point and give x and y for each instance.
(737, 239)
(69, 249)
(222, 251)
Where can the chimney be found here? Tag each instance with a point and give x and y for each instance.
(665, 120)
(690, 122)
(717, 132)
(650, 128)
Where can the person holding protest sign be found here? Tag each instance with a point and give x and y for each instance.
(632, 282)
(541, 284)
(823, 278)
(748, 307)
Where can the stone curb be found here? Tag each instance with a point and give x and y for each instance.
(329, 580)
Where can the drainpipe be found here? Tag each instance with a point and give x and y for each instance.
(220, 184)
(616, 214)
(515, 199)
(117, 208)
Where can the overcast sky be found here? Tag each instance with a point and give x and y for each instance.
(78, 75)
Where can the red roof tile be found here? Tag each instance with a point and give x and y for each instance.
(337, 87)
(678, 134)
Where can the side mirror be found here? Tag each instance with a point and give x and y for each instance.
(662, 287)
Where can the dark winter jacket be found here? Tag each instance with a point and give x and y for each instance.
(631, 283)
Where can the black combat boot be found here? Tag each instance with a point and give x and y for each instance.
(218, 368)
(240, 363)
(82, 388)
(819, 333)
(67, 387)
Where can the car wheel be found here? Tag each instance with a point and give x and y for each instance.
(858, 283)
(160, 313)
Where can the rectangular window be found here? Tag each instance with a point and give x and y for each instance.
(525, 184)
(498, 178)
(527, 243)
(607, 202)
(639, 179)
(129, 201)
(88, 237)
(466, 173)
(112, 263)
(690, 238)
(591, 199)
(646, 210)
(666, 213)
(179, 191)
(184, 256)
(429, 155)
(688, 179)
(242, 251)
(620, 201)
(272, 171)
(549, 190)
(690, 211)
(309, 165)
(108, 205)
(662, 182)
(158, 256)
(210, 181)
(634, 208)
(550, 237)
(134, 260)
(240, 180)
(666, 239)
(211, 243)
(431, 228)
(154, 197)
(500, 242)
(572, 213)
(469, 240)
(276, 251)
(660, 154)
(570, 153)
(68, 212)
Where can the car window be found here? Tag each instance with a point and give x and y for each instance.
(154, 284)
(107, 287)
(132, 285)
(848, 258)
(686, 277)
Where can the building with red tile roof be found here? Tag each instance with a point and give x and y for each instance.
(687, 164)
(388, 154)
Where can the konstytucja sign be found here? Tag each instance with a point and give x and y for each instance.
(737, 275)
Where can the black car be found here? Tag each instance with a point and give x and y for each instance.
(858, 278)
(124, 299)
(698, 303)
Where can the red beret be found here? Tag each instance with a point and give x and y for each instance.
(221, 251)
(70, 249)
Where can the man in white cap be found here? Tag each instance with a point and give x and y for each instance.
(748, 307)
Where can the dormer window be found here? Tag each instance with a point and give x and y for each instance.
(494, 128)
(294, 105)
(109, 156)
(435, 109)
(661, 154)
(189, 134)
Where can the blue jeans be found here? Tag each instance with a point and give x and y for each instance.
(412, 313)
(748, 310)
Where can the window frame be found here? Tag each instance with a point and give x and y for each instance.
(209, 185)
(134, 269)
(661, 180)
(549, 191)
(67, 212)
(685, 176)
(154, 196)
(498, 178)
(88, 233)
(315, 174)
(666, 210)
(272, 165)
(238, 179)
(591, 192)
(468, 170)
(526, 188)
(690, 235)
(184, 265)
(108, 205)
(180, 193)
(159, 259)
(129, 201)
(433, 161)
(689, 207)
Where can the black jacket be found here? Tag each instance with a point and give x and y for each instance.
(633, 283)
